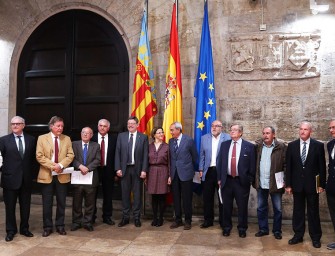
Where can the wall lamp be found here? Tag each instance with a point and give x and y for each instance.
(316, 8)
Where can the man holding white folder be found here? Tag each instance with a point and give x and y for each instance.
(270, 168)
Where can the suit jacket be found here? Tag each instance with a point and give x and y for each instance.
(140, 153)
(110, 161)
(330, 187)
(246, 165)
(184, 160)
(206, 151)
(92, 161)
(302, 177)
(44, 152)
(15, 170)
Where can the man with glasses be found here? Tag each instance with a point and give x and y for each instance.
(86, 160)
(209, 149)
(131, 164)
(236, 166)
(18, 161)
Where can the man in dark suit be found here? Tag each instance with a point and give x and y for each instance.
(209, 149)
(87, 159)
(236, 167)
(106, 169)
(305, 165)
(183, 156)
(131, 164)
(330, 187)
(18, 160)
(54, 153)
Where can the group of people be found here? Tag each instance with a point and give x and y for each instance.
(226, 162)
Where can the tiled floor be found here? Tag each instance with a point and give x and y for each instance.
(148, 240)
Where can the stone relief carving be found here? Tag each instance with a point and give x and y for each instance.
(275, 56)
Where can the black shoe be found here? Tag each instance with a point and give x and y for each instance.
(277, 235)
(226, 232)
(187, 226)
(176, 224)
(9, 237)
(295, 240)
(108, 221)
(89, 228)
(123, 222)
(138, 223)
(206, 224)
(154, 222)
(61, 231)
(316, 243)
(75, 227)
(159, 223)
(261, 233)
(26, 233)
(46, 232)
(242, 234)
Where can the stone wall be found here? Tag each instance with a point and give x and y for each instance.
(275, 77)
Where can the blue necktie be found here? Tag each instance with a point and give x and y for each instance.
(85, 153)
(175, 145)
(303, 153)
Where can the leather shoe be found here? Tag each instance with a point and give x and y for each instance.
(295, 240)
(176, 224)
(108, 221)
(316, 244)
(261, 233)
(187, 226)
(9, 237)
(46, 232)
(226, 232)
(61, 231)
(75, 227)
(138, 223)
(154, 222)
(278, 235)
(27, 233)
(123, 223)
(159, 222)
(89, 228)
(242, 234)
(206, 224)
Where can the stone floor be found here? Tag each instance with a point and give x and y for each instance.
(148, 240)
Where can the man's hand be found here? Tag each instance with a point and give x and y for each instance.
(84, 170)
(143, 175)
(320, 190)
(288, 190)
(57, 168)
(119, 173)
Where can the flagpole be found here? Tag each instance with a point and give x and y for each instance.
(146, 10)
(176, 1)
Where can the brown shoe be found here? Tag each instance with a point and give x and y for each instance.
(187, 226)
(176, 224)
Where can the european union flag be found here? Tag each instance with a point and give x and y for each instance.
(204, 87)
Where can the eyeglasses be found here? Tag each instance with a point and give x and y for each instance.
(234, 130)
(86, 133)
(216, 126)
(159, 133)
(13, 124)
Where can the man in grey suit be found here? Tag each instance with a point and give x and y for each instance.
(87, 159)
(209, 149)
(183, 156)
(131, 164)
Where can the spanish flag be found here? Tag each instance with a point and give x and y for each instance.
(173, 91)
(144, 94)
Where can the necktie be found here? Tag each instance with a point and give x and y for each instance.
(20, 146)
(130, 150)
(233, 161)
(303, 153)
(56, 150)
(175, 145)
(85, 153)
(102, 151)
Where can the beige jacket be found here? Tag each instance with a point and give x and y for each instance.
(44, 152)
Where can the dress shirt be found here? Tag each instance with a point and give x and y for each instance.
(265, 166)
(106, 145)
(179, 139)
(17, 141)
(215, 144)
(333, 152)
(238, 151)
(308, 142)
(133, 149)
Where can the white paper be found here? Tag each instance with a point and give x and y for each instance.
(220, 196)
(65, 171)
(279, 179)
(78, 178)
(196, 178)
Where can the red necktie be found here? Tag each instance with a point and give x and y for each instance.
(233, 161)
(56, 150)
(102, 151)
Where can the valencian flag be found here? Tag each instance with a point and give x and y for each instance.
(144, 95)
(173, 91)
(204, 87)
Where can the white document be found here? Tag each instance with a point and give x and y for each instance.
(65, 171)
(279, 179)
(196, 178)
(78, 178)
(220, 195)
